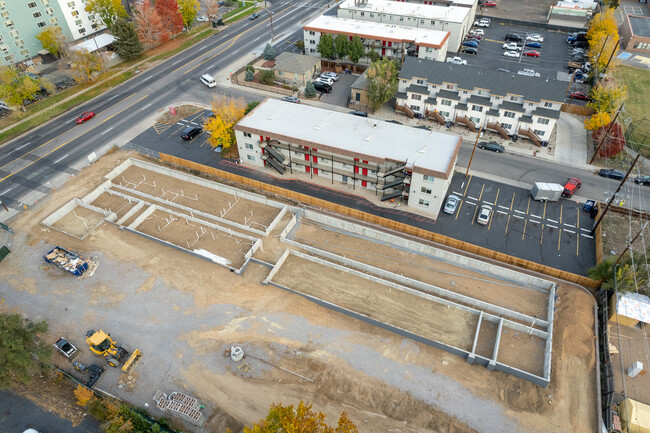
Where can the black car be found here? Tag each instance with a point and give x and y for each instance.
(322, 87)
(581, 44)
(514, 37)
(611, 173)
(359, 113)
(191, 132)
(254, 16)
(491, 145)
(642, 180)
(469, 50)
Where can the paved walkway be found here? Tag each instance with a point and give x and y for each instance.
(571, 142)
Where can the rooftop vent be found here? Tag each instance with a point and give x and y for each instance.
(423, 149)
(317, 127)
(271, 117)
(368, 138)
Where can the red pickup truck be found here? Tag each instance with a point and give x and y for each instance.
(571, 186)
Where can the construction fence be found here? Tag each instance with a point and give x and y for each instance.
(385, 222)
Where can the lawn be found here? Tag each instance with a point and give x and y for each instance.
(637, 81)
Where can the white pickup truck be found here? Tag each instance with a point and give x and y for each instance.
(456, 60)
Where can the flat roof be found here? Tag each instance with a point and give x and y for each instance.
(427, 152)
(441, 13)
(640, 25)
(634, 306)
(376, 30)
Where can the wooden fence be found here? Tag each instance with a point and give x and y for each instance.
(580, 110)
(385, 222)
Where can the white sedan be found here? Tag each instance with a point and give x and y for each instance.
(511, 47)
(535, 38)
(511, 54)
(202, 19)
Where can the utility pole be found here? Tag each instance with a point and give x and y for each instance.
(473, 150)
(600, 217)
(602, 140)
(612, 55)
(629, 245)
(601, 51)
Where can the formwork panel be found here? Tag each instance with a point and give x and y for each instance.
(422, 317)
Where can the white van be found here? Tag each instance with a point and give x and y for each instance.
(208, 80)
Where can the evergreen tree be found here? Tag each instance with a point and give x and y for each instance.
(269, 52)
(250, 75)
(22, 354)
(310, 91)
(127, 45)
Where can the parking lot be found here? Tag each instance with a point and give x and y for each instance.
(558, 233)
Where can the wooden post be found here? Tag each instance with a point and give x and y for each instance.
(629, 245)
(473, 150)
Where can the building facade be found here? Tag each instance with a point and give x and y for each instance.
(396, 163)
(389, 41)
(453, 19)
(507, 103)
(635, 33)
(22, 20)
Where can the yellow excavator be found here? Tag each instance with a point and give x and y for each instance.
(101, 343)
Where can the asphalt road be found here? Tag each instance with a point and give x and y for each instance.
(18, 414)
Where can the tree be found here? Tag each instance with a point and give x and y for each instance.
(326, 46)
(607, 96)
(601, 47)
(84, 64)
(149, 25)
(603, 22)
(355, 49)
(310, 90)
(212, 8)
(53, 40)
(382, 82)
(84, 395)
(170, 16)
(269, 52)
(127, 45)
(341, 46)
(107, 10)
(227, 111)
(300, 419)
(16, 87)
(300, 44)
(189, 9)
(250, 75)
(372, 55)
(22, 353)
(597, 121)
(267, 77)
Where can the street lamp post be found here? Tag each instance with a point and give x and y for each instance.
(271, 18)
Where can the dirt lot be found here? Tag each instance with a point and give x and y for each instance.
(183, 312)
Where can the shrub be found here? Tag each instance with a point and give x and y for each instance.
(267, 77)
(310, 91)
(250, 68)
(250, 75)
(269, 52)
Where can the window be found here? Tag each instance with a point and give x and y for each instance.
(54, 20)
(312, 33)
(423, 203)
(425, 190)
(20, 43)
(507, 126)
(428, 178)
(5, 14)
(49, 11)
(41, 24)
(538, 132)
(249, 146)
(446, 102)
(30, 4)
(70, 4)
(45, 2)
(4, 48)
(9, 58)
(24, 53)
(543, 121)
(513, 98)
(415, 108)
(95, 26)
(312, 41)
(36, 14)
(362, 14)
(416, 97)
(14, 33)
(421, 21)
(420, 82)
(78, 22)
(548, 104)
(82, 30)
(9, 23)
(429, 50)
(91, 17)
(476, 120)
(401, 18)
(2, 38)
(372, 15)
(433, 23)
(477, 108)
(530, 104)
(510, 114)
(75, 14)
(449, 87)
(250, 158)
(247, 134)
(444, 114)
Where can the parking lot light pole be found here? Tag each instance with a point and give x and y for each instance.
(271, 18)
(473, 150)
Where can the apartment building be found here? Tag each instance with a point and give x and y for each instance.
(388, 40)
(453, 19)
(22, 20)
(396, 163)
(504, 102)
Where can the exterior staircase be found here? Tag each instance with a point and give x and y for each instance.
(496, 126)
(465, 121)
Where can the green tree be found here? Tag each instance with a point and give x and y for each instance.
(267, 77)
(269, 52)
(250, 75)
(326, 46)
(372, 55)
(107, 10)
(84, 64)
(250, 107)
(299, 419)
(16, 87)
(22, 353)
(53, 40)
(603, 271)
(300, 44)
(341, 44)
(310, 90)
(355, 49)
(382, 82)
(127, 45)
(189, 9)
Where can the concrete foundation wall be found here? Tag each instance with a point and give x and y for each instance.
(59, 213)
(70, 207)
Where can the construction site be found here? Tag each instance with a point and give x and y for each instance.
(399, 333)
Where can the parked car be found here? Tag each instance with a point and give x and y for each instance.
(456, 60)
(473, 44)
(571, 186)
(84, 116)
(472, 38)
(484, 215)
(534, 37)
(291, 99)
(327, 81)
(451, 204)
(202, 19)
(331, 75)
(254, 16)
(511, 54)
(531, 53)
(514, 37)
(611, 173)
(489, 4)
(642, 180)
(475, 35)
(359, 113)
(580, 96)
(191, 132)
(478, 31)
(322, 87)
(581, 44)
(479, 23)
(469, 50)
(511, 47)
(491, 145)
(208, 80)
(533, 45)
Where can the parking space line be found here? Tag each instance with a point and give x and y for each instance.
(586, 230)
(587, 236)
(541, 236)
(468, 181)
(570, 225)
(496, 200)
(458, 211)
(502, 212)
(474, 218)
(473, 198)
(459, 193)
(578, 237)
(524, 232)
(528, 207)
(553, 221)
(534, 221)
(513, 201)
(503, 207)
(570, 231)
(481, 194)
(553, 227)
(472, 203)
(490, 224)
(559, 236)
(517, 216)
(507, 224)
(535, 216)
(544, 214)
(174, 133)
(561, 208)
(520, 211)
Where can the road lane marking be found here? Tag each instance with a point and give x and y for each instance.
(468, 181)
(61, 159)
(109, 129)
(112, 97)
(71, 140)
(4, 192)
(18, 148)
(145, 107)
(145, 79)
(177, 61)
(236, 51)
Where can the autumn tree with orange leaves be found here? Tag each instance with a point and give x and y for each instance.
(227, 111)
(170, 15)
(148, 25)
(299, 419)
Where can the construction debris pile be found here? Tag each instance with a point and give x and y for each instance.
(182, 405)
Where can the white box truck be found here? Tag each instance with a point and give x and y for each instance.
(546, 191)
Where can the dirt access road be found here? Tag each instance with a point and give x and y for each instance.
(183, 312)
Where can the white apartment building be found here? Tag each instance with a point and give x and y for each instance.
(504, 102)
(79, 22)
(472, 4)
(388, 40)
(456, 20)
(397, 163)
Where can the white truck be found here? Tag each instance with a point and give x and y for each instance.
(543, 191)
(456, 60)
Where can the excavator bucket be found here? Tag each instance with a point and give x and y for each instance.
(133, 360)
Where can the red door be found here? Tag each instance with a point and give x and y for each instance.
(365, 173)
(307, 159)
